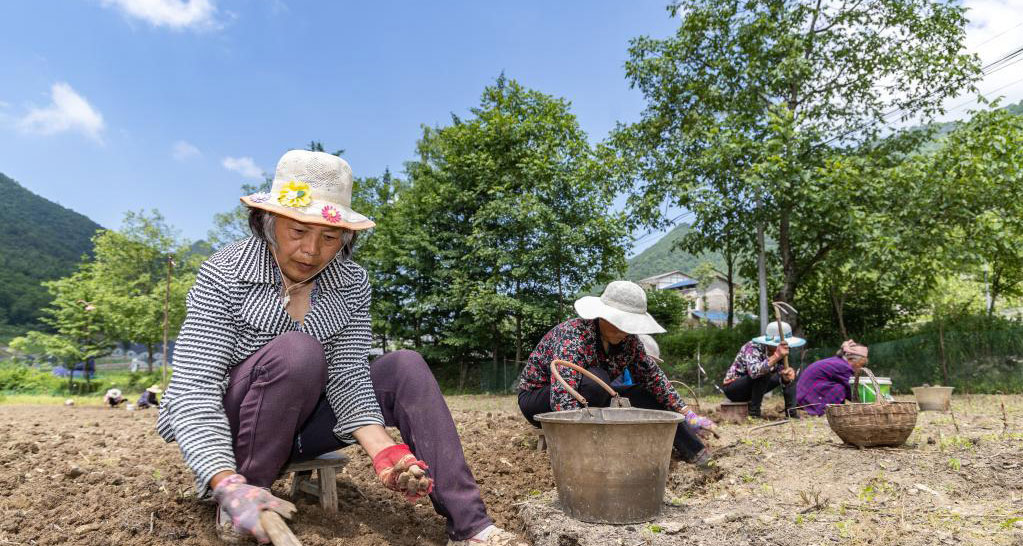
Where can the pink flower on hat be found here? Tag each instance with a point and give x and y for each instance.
(331, 214)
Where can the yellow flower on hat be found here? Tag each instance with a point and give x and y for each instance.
(295, 194)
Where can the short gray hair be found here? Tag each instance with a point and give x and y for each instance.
(262, 224)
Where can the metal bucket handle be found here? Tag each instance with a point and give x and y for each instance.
(878, 399)
(616, 399)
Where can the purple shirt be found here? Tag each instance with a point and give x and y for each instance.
(824, 382)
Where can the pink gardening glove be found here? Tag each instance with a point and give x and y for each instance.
(244, 503)
(698, 425)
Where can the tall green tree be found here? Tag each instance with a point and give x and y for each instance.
(129, 275)
(760, 98)
(515, 219)
(976, 181)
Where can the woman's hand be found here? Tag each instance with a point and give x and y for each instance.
(697, 424)
(244, 503)
(780, 352)
(400, 471)
(787, 375)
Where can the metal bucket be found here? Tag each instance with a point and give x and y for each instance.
(933, 398)
(610, 464)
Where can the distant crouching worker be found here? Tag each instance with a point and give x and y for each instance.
(113, 398)
(827, 381)
(148, 397)
(760, 367)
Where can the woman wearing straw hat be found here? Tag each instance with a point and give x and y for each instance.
(605, 341)
(148, 397)
(759, 367)
(827, 381)
(271, 366)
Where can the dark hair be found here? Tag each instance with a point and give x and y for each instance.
(261, 224)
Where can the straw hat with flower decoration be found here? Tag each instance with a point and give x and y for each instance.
(312, 188)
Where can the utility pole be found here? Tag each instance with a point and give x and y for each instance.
(166, 316)
(761, 270)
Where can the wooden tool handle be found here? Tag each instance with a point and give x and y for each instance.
(781, 333)
(280, 534)
(584, 371)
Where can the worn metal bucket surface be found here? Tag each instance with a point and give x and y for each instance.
(933, 398)
(610, 464)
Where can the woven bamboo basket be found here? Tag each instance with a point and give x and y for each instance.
(880, 423)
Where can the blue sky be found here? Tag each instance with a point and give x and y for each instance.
(115, 105)
(108, 106)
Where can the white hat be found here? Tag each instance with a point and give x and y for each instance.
(312, 188)
(650, 346)
(772, 338)
(623, 304)
(155, 389)
(114, 393)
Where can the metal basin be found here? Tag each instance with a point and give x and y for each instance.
(610, 464)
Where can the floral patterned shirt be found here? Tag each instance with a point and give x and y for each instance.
(751, 361)
(578, 341)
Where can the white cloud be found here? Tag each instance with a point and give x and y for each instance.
(184, 151)
(69, 112)
(244, 166)
(175, 14)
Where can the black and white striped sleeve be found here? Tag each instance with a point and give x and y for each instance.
(349, 388)
(202, 355)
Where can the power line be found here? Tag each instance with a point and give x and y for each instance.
(971, 101)
(672, 222)
(1000, 34)
(1014, 56)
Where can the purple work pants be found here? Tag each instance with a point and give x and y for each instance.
(278, 412)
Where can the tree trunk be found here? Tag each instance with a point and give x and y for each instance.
(463, 370)
(788, 266)
(941, 350)
(838, 304)
(518, 338)
(497, 348)
(149, 359)
(730, 274)
(518, 327)
(996, 289)
(417, 341)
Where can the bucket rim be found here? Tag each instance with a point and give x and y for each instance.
(565, 417)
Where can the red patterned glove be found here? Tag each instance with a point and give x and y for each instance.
(400, 471)
(244, 503)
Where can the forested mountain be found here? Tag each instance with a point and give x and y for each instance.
(661, 258)
(39, 241)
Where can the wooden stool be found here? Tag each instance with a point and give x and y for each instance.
(325, 487)
(541, 439)
(734, 412)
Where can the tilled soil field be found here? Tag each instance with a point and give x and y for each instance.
(88, 475)
(957, 481)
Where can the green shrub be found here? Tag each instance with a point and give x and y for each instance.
(19, 378)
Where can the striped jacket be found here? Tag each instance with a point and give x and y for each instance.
(234, 309)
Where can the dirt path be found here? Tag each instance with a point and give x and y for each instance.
(88, 475)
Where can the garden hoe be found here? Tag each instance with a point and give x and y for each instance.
(779, 308)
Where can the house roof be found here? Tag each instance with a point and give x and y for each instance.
(689, 283)
(654, 278)
(716, 316)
